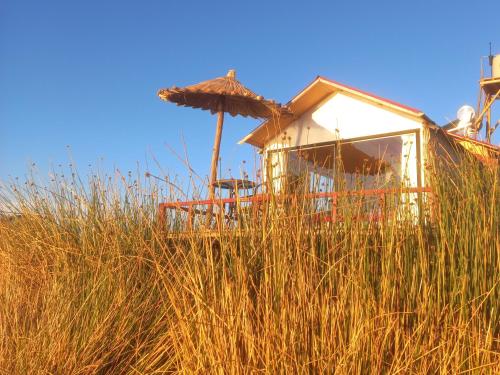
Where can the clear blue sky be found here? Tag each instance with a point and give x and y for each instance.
(86, 73)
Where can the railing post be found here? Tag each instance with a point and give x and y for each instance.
(334, 207)
(161, 215)
(190, 217)
(219, 218)
(382, 206)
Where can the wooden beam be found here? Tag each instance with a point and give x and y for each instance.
(215, 159)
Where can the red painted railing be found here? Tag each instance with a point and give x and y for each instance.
(190, 206)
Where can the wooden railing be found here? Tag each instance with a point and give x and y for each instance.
(229, 206)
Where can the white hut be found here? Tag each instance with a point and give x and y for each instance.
(378, 142)
(342, 142)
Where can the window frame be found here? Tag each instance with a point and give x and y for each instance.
(415, 132)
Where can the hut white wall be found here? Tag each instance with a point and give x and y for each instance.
(409, 160)
(341, 116)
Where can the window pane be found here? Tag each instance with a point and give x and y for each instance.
(380, 163)
(372, 164)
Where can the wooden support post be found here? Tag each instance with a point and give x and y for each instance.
(488, 119)
(215, 160)
(490, 129)
(488, 102)
(480, 98)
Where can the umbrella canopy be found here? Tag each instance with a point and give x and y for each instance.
(226, 92)
(220, 95)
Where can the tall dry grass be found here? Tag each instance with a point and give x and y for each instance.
(91, 284)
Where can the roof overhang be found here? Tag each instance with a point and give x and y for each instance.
(476, 147)
(317, 91)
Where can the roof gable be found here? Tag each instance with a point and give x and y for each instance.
(316, 92)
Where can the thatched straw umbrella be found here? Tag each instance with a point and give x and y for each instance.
(219, 95)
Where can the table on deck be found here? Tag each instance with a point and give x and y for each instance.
(229, 205)
(234, 186)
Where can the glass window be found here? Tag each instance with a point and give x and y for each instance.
(379, 163)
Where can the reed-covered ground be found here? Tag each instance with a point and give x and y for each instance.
(91, 283)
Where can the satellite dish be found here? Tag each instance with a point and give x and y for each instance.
(465, 114)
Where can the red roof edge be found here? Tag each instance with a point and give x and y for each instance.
(392, 102)
(477, 141)
(415, 111)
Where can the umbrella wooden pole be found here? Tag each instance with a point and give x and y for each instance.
(215, 159)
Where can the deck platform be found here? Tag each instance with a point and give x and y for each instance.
(491, 86)
(190, 215)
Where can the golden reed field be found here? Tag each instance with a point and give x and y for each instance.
(91, 282)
